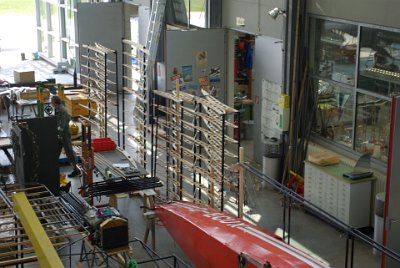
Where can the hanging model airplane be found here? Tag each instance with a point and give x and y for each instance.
(211, 238)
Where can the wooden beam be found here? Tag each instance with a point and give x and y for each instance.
(44, 249)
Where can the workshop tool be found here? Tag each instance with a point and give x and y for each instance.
(122, 186)
(108, 229)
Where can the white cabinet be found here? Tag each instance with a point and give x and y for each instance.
(347, 200)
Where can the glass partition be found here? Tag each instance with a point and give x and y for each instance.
(373, 126)
(349, 60)
(334, 116)
(334, 46)
(379, 61)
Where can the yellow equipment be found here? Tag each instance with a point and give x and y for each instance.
(73, 128)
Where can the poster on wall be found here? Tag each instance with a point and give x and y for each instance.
(215, 75)
(201, 59)
(177, 78)
(270, 97)
(187, 73)
(203, 81)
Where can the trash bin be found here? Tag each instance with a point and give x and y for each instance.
(272, 158)
(378, 219)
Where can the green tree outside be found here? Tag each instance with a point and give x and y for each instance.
(17, 7)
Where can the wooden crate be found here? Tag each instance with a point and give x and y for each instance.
(77, 105)
(30, 94)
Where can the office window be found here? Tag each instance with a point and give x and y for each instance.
(379, 69)
(353, 106)
(57, 30)
(196, 12)
(373, 126)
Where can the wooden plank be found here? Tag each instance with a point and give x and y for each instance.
(18, 261)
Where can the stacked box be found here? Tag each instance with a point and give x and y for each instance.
(30, 94)
(77, 105)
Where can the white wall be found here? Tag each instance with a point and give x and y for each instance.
(379, 12)
(255, 13)
(138, 2)
(103, 23)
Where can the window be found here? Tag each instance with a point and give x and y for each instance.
(333, 64)
(379, 61)
(334, 112)
(57, 30)
(196, 12)
(373, 126)
(353, 106)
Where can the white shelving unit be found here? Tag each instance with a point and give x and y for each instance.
(347, 200)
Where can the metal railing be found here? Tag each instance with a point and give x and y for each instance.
(290, 197)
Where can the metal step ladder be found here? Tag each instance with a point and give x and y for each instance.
(154, 30)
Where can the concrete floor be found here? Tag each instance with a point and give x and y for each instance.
(263, 205)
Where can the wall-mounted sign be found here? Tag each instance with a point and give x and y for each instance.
(201, 59)
(240, 21)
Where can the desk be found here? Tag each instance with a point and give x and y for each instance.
(345, 199)
(22, 103)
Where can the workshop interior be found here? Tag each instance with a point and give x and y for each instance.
(199, 133)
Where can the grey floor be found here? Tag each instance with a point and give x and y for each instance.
(264, 206)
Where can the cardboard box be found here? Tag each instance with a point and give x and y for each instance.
(78, 105)
(24, 76)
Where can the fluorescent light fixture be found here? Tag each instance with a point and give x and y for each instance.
(275, 12)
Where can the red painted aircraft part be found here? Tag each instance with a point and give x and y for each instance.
(211, 238)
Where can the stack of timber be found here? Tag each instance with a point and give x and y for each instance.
(195, 135)
(135, 95)
(61, 227)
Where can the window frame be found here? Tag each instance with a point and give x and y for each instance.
(349, 152)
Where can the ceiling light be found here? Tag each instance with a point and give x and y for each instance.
(274, 13)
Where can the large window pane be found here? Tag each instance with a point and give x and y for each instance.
(56, 48)
(71, 49)
(379, 61)
(44, 42)
(196, 11)
(334, 113)
(69, 25)
(333, 50)
(43, 15)
(55, 26)
(373, 126)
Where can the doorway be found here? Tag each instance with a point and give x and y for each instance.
(244, 46)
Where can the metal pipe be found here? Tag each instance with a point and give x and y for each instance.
(123, 96)
(223, 161)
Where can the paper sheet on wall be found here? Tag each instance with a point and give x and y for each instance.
(270, 94)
